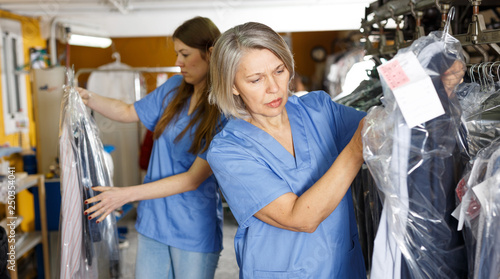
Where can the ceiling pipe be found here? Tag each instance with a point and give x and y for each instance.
(123, 8)
(52, 41)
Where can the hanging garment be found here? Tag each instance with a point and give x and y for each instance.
(367, 205)
(365, 96)
(417, 169)
(4, 257)
(337, 67)
(368, 208)
(479, 211)
(128, 86)
(88, 249)
(481, 114)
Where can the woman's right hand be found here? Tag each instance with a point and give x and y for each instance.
(107, 201)
(111, 108)
(85, 95)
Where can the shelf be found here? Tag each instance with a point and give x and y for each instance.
(6, 221)
(6, 151)
(29, 242)
(25, 183)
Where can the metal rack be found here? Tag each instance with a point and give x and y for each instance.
(37, 237)
(479, 42)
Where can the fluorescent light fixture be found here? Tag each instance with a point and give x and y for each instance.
(90, 41)
(75, 33)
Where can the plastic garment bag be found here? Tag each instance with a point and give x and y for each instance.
(365, 96)
(367, 208)
(88, 249)
(479, 192)
(416, 170)
(481, 114)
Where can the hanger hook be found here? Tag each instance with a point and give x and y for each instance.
(481, 76)
(447, 25)
(412, 9)
(471, 73)
(492, 74)
(498, 71)
(116, 56)
(486, 77)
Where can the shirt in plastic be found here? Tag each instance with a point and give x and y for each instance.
(417, 170)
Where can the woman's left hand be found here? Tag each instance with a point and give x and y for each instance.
(107, 201)
(453, 76)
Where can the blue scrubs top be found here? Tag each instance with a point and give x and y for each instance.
(192, 220)
(253, 169)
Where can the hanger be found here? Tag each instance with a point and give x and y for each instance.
(497, 71)
(116, 57)
(471, 73)
(488, 78)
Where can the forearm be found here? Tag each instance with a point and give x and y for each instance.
(165, 187)
(317, 203)
(112, 108)
(306, 212)
(111, 198)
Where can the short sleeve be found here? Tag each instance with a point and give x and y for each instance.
(247, 183)
(343, 120)
(151, 107)
(222, 123)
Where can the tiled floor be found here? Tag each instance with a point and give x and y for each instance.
(227, 269)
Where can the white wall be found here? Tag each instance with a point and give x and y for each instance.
(282, 16)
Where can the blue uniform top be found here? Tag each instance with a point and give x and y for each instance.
(253, 169)
(192, 220)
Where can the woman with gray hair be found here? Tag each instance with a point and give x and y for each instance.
(284, 163)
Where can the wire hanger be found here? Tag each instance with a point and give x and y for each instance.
(116, 57)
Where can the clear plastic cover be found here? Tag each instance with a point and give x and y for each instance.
(87, 249)
(481, 114)
(416, 170)
(479, 193)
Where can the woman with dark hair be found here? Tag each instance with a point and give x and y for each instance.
(179, 218)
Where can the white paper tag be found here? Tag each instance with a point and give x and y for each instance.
(481, 190)
(413, 89)
(457, 213)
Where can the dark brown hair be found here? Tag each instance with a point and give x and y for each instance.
(200, 33)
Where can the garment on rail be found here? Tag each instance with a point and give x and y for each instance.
(88, 249)
(118, 80)
(478, 212)
(481, 113)
(417, 169)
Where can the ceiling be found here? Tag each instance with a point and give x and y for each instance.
(135, 18)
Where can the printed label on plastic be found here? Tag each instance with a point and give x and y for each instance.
(393, 74)
(413, 89)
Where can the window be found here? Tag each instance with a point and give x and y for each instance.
(13, 80)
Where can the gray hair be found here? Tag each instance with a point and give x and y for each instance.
(226, 56)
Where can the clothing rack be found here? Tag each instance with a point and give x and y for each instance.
(173, 69)
(134, 94)
(137, 71)
(480, 48)
(478, 42)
